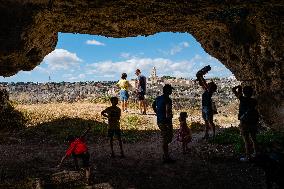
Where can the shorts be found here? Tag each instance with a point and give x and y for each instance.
(112, 132)
(248, 129)
(85, 157)
(207, 114)
(123, 95)
(141, 95)
(166, 132)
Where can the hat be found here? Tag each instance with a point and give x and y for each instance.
(168, 86)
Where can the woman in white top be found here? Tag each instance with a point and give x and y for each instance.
(123, 84)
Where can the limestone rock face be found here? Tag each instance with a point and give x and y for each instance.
(246, 36)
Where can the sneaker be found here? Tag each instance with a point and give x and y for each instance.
(244, 159)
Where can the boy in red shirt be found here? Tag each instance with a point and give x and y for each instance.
(78, 149)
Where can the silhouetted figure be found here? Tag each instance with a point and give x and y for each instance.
(248, 116)
(207, 108)
(184, 134)
(123, 84)
(141, 91)
(113, 114)
(79, 150)
(162, 106)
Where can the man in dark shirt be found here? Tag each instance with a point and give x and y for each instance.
(162, 106)
(207, 109)
(141, 91)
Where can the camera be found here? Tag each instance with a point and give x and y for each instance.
(203, 71)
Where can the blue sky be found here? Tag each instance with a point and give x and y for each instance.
(80, 57)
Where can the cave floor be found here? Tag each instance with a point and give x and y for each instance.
(204, 166)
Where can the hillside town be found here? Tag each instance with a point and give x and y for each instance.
(187, 91)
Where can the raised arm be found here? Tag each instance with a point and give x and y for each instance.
(201, 81)
(237, 90)
(104, 113)
(200, 78)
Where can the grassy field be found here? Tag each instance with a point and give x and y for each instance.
(41, 113)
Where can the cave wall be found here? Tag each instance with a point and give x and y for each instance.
(246, 36)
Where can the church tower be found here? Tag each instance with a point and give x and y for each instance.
(153, 73)
(153, 76)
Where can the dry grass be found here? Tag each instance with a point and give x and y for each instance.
(42, 113)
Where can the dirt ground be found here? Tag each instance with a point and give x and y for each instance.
(34, 153)
(204, 166)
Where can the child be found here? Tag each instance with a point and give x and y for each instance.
(78, 149)
(113, 114)
(184, 134)
(248, 116)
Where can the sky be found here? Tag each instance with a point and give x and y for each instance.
(82, 57)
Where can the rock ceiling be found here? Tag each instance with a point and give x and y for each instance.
(246, 36)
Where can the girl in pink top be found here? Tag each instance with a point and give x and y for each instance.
(184, 134)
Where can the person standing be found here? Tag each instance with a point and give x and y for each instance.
(207, 109)
(162, 106)
(249, 117)
(123, 84)
(141, 91)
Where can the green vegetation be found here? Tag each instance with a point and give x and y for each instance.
(267, 141)
(168, 77)
(129, 125)
(101, 99)
(230, 136)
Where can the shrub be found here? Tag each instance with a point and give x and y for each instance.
(266, 141)
(230, 136)
(131, 122)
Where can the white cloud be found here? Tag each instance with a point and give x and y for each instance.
(61, 59)
(163, 66)
(125, 55)
(178, 48)
(94, 42)
(71, 77)
(186, 68)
